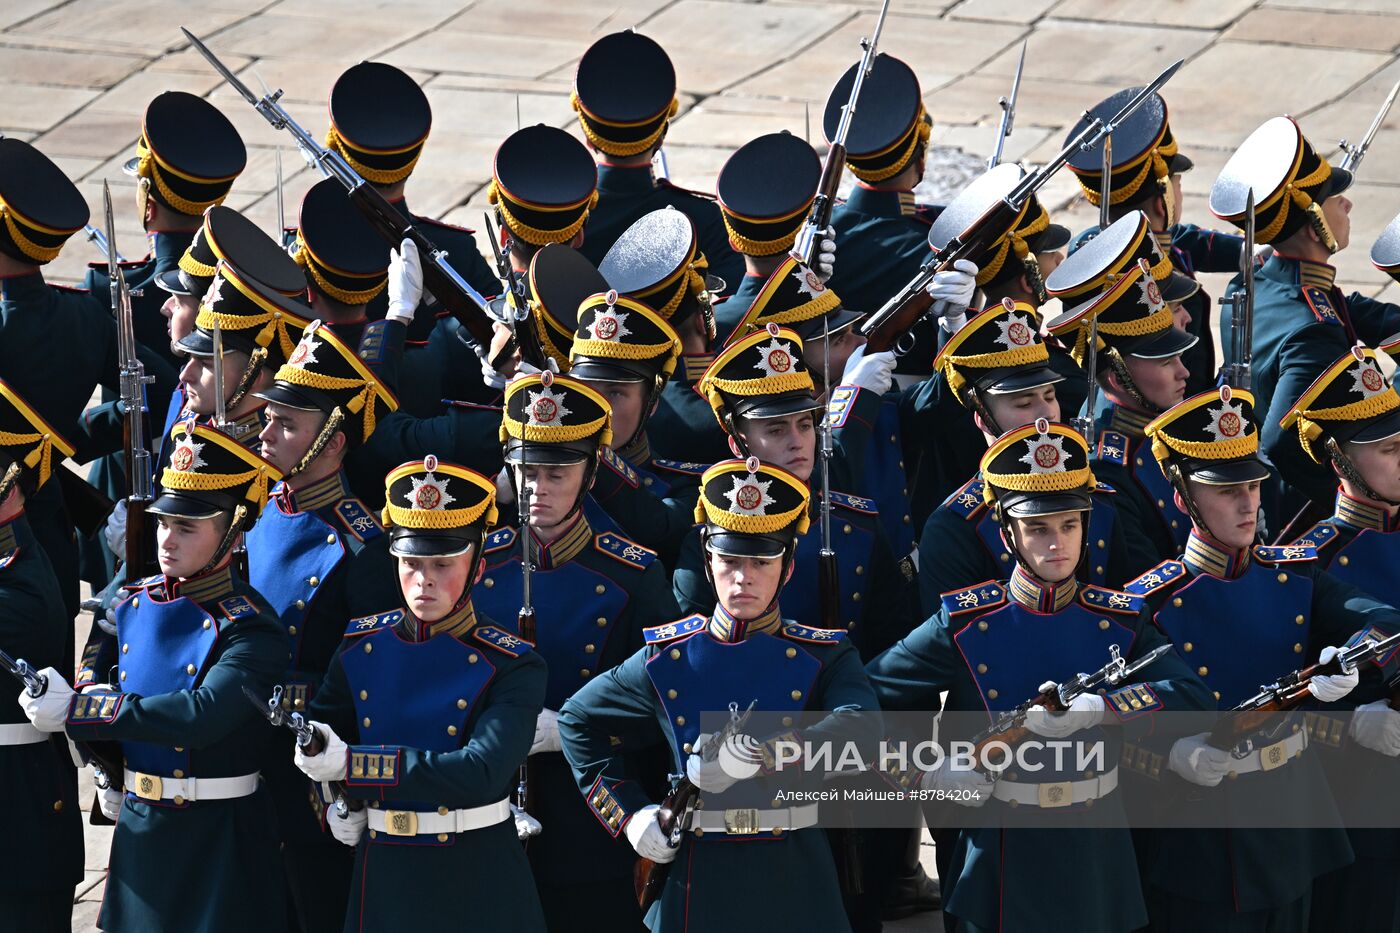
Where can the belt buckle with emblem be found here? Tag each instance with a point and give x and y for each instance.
(741, 821)
(401, 822)
(1056, 794)
(148, 786)
(1273, 756)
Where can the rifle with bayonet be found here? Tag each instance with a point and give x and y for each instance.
(1236, 372)
(99, 239)
(885, 328)
(439, 278)
(1084, 423)
(106, 769)
(1008, 111)
(311, 742)
(525, 619)
(676, 811)
(1261, 711)
(517, 303)
(140, 549)
(1355, 153)
(804, 247)
(1010, 727)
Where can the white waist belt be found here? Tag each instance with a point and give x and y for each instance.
(745, 821)
(184, 790)
(1056, 793)
(21, 733)
(436, 822)
(1271, 756)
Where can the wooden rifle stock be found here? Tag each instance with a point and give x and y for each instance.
(830, 590)
(648, 877)
(819, 217)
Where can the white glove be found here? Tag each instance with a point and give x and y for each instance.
(1263, 253)
(966, 787)
(1085, 711)
(525, 824)
(708, 775)
(1377, 727)
(348, 829)
(1198, 761)
(951, 291)
(505, 489)
(405, 282)
(874, 372)
(546, 732)
(1329, 688)
(492, 377)
(49, 710)
(115, 531)
(646, 836)
(826, 254)
(528, 369)
(330, 764)
(109, 801)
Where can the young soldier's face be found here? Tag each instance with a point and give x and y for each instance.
(288, 435)
(1379, 465)
(1231, 513)
(180, 312)
(197, 377)
(1049, 262)
(1051, 544)
(185, 546)
(1161, 382)
(1018, 409)
(432, 586)
(789, 441)
(745, 586)
(553, 489)
(1337, 210)
(628, 401)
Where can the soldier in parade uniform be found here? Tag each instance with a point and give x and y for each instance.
(379, 122)
(319, 557)
(1219, 878)
(658, 262)
(1302, 321)
(45, 848)
(759, 389)
(428, 715)
(742, 649)
(1121, 280)
(626, 353)
(993, 645)
(192, 639)
(625, 96)
(41, 324)
(1015, 266)
(1350, 418)
(882, 230)
(999, 367)
(592, 593)
(765, 190)
(1146, 176)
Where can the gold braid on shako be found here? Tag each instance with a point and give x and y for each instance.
(746, 497)
(1047, 464)
(429, 493)
(28, 438)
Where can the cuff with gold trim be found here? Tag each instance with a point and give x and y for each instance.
(1143, 761)
(1132, 701)
(91, 709)
(606, 800)
(373, 766)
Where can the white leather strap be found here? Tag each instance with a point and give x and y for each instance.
(434, 822)
(744, 822)
(1051, 794)
(154, 787)
(21, 733)
(1271, 756)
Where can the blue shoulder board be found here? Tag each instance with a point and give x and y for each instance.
(619, 465)
(1105, 600)
(499, 539)
(839, 408)
(7, 557)
(145, 583)
(372, 342)
(855, 503)
(680, 466)
(1285, 554)
(238, 607)
(1113, 448)
(357, 519)
(629, 552)
(372, 623)
(1156, 578)
(966, 502)
(659, 633)
(1101, 486)
(501, 640)
(1317, 535)
(815, 636)
(1321, 304)
(981, 597)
